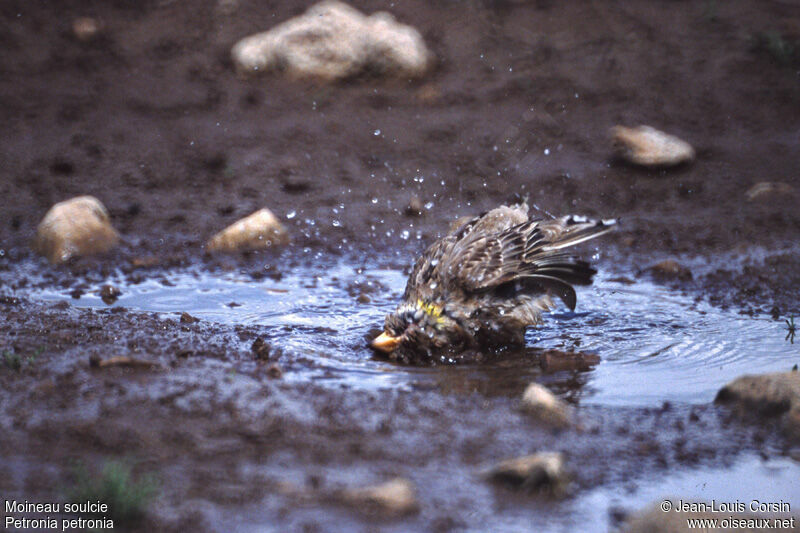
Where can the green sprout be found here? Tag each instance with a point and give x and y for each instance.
(127, 499)
(12, 360)
(16, 362)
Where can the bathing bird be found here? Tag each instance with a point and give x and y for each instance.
(479, 287)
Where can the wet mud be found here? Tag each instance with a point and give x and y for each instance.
(246, 435)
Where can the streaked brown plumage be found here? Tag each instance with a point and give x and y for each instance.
(481, 285)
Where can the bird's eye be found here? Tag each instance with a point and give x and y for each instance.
(394, 325)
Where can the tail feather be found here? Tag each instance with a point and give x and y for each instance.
(575, 230)
(557, 271)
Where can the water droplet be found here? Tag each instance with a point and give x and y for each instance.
(291, 214)
(434, 285)
(374, 200)
(336, 223)
(547, 151)
(377, 132)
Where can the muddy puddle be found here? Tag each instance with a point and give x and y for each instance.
(663, 356)
(654, 344)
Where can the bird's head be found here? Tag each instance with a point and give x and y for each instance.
(420, 331)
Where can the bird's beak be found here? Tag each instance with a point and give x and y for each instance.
(385, 342)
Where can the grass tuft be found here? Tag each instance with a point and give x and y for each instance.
(17, 362)
(126, 497)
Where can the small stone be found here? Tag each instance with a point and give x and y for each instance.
(332, 41)
(257, 231)
(363, 299)
(429, 94)
(274, 371)
(109, 294)
(775, 394)
(414, 207)
(766, 394)
(540, 471)
(293, 184)
(261, 348)
(144, 261)
(186, 318)
(624, 280)
(76, 227)
(85, 28)
(650, 147)
(396, 497)
(670, 269)
(558, 361)
(544, 405)
(767, 189)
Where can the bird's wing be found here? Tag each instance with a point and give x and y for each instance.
(529, 253)
(428, 266)
(482, 261)
(433, 267)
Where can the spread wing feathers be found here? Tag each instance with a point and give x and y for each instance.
(571, 230)
(527, 252)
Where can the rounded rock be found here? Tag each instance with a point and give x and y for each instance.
(76, 227)
(649, 147)
(396, 497)
(539, 471)
(538, 401)
(258, 231)
(332, 41)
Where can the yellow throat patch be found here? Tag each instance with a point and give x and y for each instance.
(432, 310)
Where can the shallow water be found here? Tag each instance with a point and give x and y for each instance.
(655, 344)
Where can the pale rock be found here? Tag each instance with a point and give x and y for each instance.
(332, 41)
(396, 497)
(670, 269)
(538, 401)
(76, 227)
(86, 28)
(768, 188)
(394, 48)
(650, 147)
(767, 395)
(539, 471)
(260, 230)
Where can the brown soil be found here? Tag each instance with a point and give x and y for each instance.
(150, 118)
